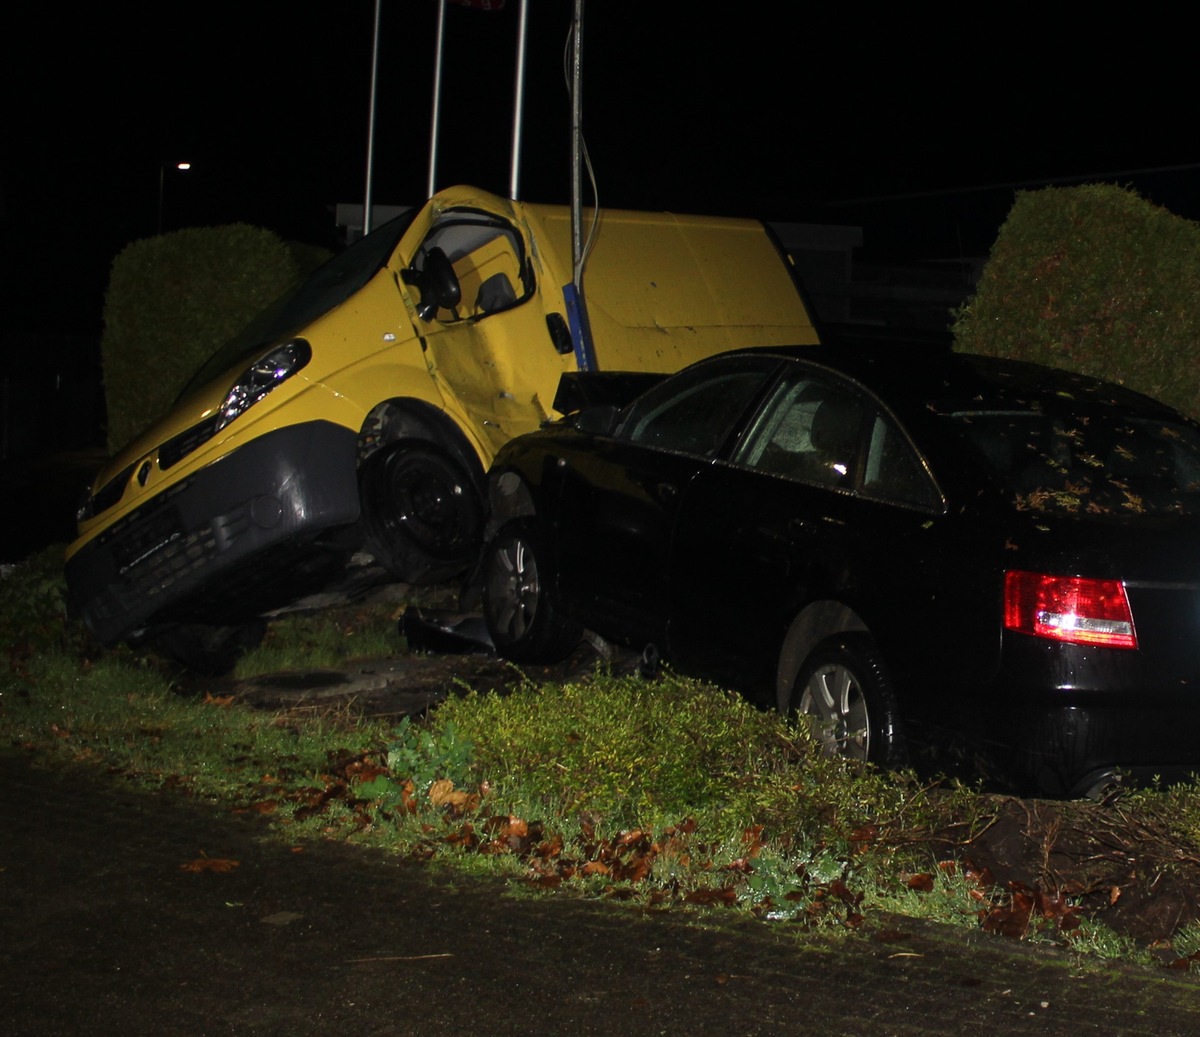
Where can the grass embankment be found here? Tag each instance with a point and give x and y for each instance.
(664, 792)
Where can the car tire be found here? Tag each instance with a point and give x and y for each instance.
(207, 649)
(422, 512)
(845, 687)
(519, 609)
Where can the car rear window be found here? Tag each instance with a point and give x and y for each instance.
(1083, 463)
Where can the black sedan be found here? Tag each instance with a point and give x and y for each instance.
(916, 548)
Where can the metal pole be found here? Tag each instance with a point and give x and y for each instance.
(577, 145)
(437, 98)
(518, 102)
(367, 195)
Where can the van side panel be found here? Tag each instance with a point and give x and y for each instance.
(664, 290)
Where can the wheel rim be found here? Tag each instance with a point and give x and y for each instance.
(834, 697)
(426, 506)
(430, 509)
(513, 589)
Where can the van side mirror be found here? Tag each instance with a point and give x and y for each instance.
(437, 282)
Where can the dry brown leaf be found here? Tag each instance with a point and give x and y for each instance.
(220, 865)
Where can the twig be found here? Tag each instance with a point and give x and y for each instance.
(399, 957)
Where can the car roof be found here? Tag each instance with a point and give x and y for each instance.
(914, 373)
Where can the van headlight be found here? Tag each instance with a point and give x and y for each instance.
(261, 377)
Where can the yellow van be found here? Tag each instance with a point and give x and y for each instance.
(366, 411)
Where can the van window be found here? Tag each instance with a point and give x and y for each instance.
(488, 257)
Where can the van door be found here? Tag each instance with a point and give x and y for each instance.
(482, 323)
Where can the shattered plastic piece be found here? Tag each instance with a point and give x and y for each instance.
(444, 632)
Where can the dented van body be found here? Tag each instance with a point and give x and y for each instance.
(366, 412)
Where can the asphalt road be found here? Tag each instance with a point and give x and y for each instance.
(107, 932)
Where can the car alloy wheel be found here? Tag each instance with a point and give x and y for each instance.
(845, 687)
(518, 605)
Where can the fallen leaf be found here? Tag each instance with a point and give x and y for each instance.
(890, 936)
(214, 864)
(722, 895)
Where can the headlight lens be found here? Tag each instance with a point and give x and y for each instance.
(261, 377)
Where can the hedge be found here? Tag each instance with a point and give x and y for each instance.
(1098, 280)
(172, 301)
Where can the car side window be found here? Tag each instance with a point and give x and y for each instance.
(695, 411)
(818, 430)
(487, 257)
(893, 471)
(811, 430)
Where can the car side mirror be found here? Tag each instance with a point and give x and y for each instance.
(600, 420)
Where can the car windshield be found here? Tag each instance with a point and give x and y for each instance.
(331, 283)
(1095, 464)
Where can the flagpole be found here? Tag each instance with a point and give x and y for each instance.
(367, 195)
(518, 102)
(437, 98)
(577, 146)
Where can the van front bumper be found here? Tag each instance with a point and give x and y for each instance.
(224, 543)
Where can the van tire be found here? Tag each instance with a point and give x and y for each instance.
(422, 513)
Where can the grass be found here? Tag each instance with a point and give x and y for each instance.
(314, 641)
(666, 792)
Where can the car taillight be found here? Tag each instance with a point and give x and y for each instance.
(1069, 608)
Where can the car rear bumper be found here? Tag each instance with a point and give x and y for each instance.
(222, 538)
(1080, 712)
(1069, 750)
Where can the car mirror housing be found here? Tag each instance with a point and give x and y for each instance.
(600, 420)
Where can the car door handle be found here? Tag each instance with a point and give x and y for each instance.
(666, 491)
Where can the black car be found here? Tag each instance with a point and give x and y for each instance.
(918, 548)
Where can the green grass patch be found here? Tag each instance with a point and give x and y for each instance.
(670, 791)
(324, 640)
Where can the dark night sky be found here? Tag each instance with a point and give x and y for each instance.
(772, 109)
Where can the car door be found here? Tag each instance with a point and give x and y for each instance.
(823, 498)
(620, 496)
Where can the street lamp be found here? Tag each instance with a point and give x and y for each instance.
(183, 167)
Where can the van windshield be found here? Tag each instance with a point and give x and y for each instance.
(333, 282)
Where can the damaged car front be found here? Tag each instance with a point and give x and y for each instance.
(242, 497)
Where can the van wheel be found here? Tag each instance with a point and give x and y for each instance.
(519, 609)
(845, 688)
(422, 513)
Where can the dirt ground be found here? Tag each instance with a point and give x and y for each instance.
(1035, 855)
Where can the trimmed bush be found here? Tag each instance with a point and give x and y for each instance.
(172, 301)
(1098, 280)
